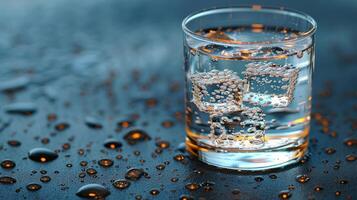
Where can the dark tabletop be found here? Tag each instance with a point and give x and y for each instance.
(69, 62)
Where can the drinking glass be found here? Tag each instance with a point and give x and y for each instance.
(248, 85)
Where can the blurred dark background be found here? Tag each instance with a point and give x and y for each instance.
(113, 59)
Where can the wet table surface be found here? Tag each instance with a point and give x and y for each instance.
(74, 74)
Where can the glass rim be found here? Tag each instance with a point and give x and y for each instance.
(268, 9)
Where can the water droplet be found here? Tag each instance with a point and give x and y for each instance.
(7, 180)
(151, 102)
(81, 152)
(330, 150)
(154, 192)
(45, 140)
(186, 197)
(163, 144)
(51, 117)
(93, 191)
(105, 163)
(285, 194)
(45, 179)
(14, 143)
(350, 142)
(138, 197)
(112, 144)
(235, 191)
(66, 146)
(174, 180)
(82, 175)
(167, 124)
(125, 124)
(350, 157)
(83, 163)
(291, 187)
(135, 136)
(62, 126)
(302, 178)
(318, 188)
(179, 157)
(42, 155)
(14, 84)
(259, 179)
(91, 171)
(273, 176)
(134, 174)
(21, 108)
(192, 186)
(160, 167)
(121, 184)
(69, 165)
(93, 123)
(207, 186)
(33, 187)
(8, 164)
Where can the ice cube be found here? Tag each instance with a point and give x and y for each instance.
(217, 92)
(247, 126)
(270, 84)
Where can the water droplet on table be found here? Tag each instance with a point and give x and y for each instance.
(163, 144)
(14, 84)
(93, 191)
(134, 174)
(14, 143)
(7, 180)
(350, 142)
(351, 157)
(160, 167)
(93, 123)
(91, 171)
(135, 136)
(62, 126)
(105, 163)
(8, 164)
(42, 155)
(33, 187)
(330, 150)
(285, 194)
(112, 144)
(302, 178)
(318, 188)
(154, 192)
(45, 179)
(21, 108)
(192, 186)
(121, 184)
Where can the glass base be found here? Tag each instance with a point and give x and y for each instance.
(252, 160)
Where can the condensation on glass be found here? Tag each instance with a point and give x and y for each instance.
(248, 86)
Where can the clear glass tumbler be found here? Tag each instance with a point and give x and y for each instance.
(248, 86)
